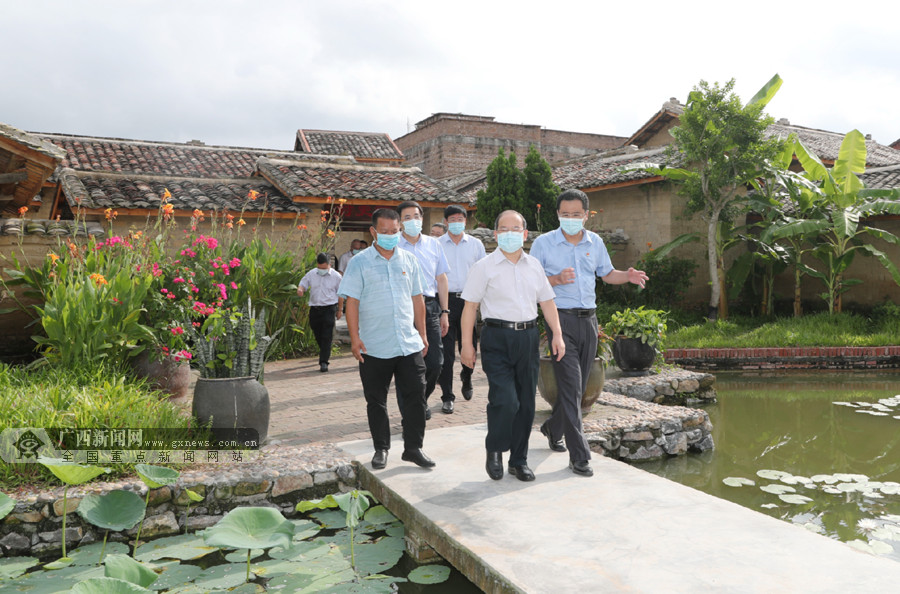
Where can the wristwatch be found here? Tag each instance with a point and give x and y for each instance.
(445, 311)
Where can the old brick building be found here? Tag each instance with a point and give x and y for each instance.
(446, 145)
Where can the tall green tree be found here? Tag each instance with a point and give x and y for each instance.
(503, 190)
(538, 198)
(722, 143)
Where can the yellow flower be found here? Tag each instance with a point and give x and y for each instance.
(241, 222)
(342, 200)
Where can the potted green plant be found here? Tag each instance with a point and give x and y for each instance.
(229, 351)
(639, 334)
(547, 376)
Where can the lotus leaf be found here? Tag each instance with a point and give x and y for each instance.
(176, 575)
(183, 546)
(738, 481)
(241, 556)
(778, 489)
(772, 475)
(71, 473)
(331, 519)
(301, 551)
(275, 567)
(379, 514)
(7, 504)
(429, 574)
(117, 510)
(379, 556)
(89, 554)
(218, 577)
(106, 585)
(156, 476)
(13, 567)
(195, 497)
(251, 528)
(304, 529)
(50, 582)
(794, 498)
(125, 568)
(60, 563)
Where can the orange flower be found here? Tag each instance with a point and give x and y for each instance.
(330, 199)
(53, 258)
(23, 210)
(110, 214)
(252, 194)
(167, 210)
(198, 213)
(229, 217)
(593, 212)
(98, 279)
(324, 212)
(229, 225)
(301, 227)
(330, 233)
(539, 206)
(241, 222)
(166, 195)
(342, 200)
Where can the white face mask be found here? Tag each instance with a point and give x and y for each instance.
(321, 271)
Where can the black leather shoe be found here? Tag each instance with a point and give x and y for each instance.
(447, 407)
(323, 367)
(379, 460)
(418, 458)
(494, 465)
(582, 468)
(521, 472)
(467, 387)
(555, 444)
(427, 414)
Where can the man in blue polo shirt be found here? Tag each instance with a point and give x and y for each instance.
(572, 256)
(386, 319)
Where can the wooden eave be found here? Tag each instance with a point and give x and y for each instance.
(37, 168)
(182, 213)
(369, 202)
(625, 184)
(654, 125)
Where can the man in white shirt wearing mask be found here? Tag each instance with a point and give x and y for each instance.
(355, 248)
(325, 306)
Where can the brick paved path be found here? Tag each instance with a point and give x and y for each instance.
(313, 407)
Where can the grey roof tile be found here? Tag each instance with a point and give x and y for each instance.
(361, 145)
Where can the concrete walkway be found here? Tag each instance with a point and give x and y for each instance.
(623, 530)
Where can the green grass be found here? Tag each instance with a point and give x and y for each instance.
(55, 397)
(809, 331)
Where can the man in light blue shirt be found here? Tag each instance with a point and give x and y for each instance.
(572, 257)
(433, 264)
(462, 251)
(386, 318)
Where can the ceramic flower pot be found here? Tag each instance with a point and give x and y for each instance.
(633, 357)
(233, 403)
(166, 375)
(547, 384)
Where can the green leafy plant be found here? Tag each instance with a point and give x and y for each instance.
(123, 567)
(354, 503)
(70, 474)
(154, 477)
(7, 504)
(116, 510)
(648, 325)
(196, 498)
(251, 528)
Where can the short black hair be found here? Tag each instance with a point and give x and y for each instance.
(364, 242)
(410, 204)
(574, 195)
(321, 258)
(497, 220)
(384, 213)
(455, 209)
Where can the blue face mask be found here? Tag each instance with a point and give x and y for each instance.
(321, 271)
(571, 226)
(412, 227)
(510, 241)
(354, 252)
(387, 241)
(456, 228)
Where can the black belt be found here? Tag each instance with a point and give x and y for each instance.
(455, 295)
(581, 313)
(430, 299)
(494, 323)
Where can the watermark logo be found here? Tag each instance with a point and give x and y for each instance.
(25, 444)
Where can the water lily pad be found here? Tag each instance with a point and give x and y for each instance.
(176, 575)
(814, 528)
(833, 491)
(772, 475)
(275, 567)
(156, 476)
(738, 481)
(90, 554)
(828, 479)
(769, 505)
(323, 571)
(301, 551)
(794, 498)
(107, 585)
(379, 515)
(874, 413)
(304, 529)
(123, 567)
(240, 556)
(331, 519)
(13, 567)
(885, 534)
(183, 546)
(850, 404)
(429, 574)
(51, 582)
(379, 556)
(778, 489)
(60, 563)
(891, 518)
(791, 479)
(7, 504)
(874, 495)
(881, 548)
(849, 487)
(224, 576)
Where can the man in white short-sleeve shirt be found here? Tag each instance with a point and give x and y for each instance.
(325, 306)
(509, 284)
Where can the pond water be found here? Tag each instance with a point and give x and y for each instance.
(811, 434)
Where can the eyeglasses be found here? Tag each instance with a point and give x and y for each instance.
(510, 229)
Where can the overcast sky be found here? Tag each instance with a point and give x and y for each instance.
(251, 73)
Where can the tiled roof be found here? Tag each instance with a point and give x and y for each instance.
(671, 110)
(43, 227)
(99, 191)
(320, 180)
(361, 145)
(117, 155)
(32, 141)
(883, 178)
(602, 170)
(826, 145)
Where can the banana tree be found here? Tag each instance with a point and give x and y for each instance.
(835, 219)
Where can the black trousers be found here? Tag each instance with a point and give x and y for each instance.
(409, 376)
(321, 322)
(572, 373)
(509, 358)
(451, 342)
(434, 358)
